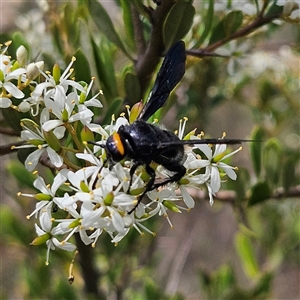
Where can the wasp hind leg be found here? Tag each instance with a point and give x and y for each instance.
(179, 173)
(149, 185)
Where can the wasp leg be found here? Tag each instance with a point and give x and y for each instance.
(179, 173)
(148, 187)
(132, 170)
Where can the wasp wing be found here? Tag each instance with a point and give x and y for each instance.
(170, 73)
(202, 141)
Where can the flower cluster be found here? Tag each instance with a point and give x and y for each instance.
(86, 196)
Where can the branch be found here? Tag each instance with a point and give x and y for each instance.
(147, 63)
(9, 131)
(260, 21)
(230, 196)
(7, 149)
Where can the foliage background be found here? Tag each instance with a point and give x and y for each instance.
(244, 247)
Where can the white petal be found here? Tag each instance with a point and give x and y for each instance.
(117, 220)
(49, 125)
(13, 90)
(228, 170)
(59, 180)
(55, 159)
(206, 150)
(5, 102)
(215, 179)
(33, 159)
(188, 200)
(40, 184)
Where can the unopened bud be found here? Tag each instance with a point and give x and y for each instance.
(135, 111)
(24, 106)
(32, 71)
(22, 55)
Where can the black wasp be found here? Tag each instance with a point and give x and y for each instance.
(144, 142)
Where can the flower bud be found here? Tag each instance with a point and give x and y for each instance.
(22, 55)
(32, 71)
(40, 64)
(24, 106)
(135, 111)
(52, 140)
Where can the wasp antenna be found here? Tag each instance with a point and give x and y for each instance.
(96, 143)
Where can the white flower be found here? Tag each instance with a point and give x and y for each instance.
(47, 193)
(6, 75)
(62, 107)
(213, 163)
(52, 87)
(34, 136)
(46, 232)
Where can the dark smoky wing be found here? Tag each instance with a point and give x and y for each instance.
(203, 141)
(170, 73)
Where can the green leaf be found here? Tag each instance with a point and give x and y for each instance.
(230, 23)
(105, 69)
(82, 67)
(113, 109)
(208, 22)
(105, 25)
(12, 117)
(246, 254)
(127, 21)
(259, 193)
(256, 149)
(289, 173)
(272, 160)
(22, 175)
(274, 9)
(132, 87)
(178, 22)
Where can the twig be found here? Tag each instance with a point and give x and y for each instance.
(260, 21)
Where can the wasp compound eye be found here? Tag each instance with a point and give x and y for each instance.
(115, 147)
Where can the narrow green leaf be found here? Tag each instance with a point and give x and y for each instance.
(12, 117)
(246, 254)
(259, 193)
(82, 67)
(289, 173)
(132, 87)
(178, 22)
(128, 22)
(227, 26)
(256, 149)
(105, 25)
(274, 9)
(208, 22)
(105, 69)
(114, 109)
(232, 22)
(21, 174)
(272, 161)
